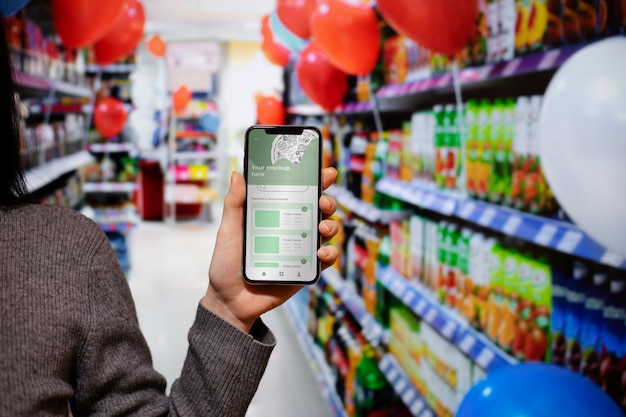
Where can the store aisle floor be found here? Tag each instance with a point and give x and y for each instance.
(169, 276)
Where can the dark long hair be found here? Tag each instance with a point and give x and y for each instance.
(12, 182)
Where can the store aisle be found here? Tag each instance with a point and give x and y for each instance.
(168, 278)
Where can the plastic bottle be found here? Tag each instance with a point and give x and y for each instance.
(372, 394)
(441, 150)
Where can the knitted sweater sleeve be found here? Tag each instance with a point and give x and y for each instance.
(115, 377)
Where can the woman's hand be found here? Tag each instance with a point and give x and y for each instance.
(228, 295)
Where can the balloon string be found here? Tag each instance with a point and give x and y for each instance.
(456, 82)
(375, 108)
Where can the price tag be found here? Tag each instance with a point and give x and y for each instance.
(384, 364)
(427, 413)
(511, 67)
(392, 375)
(407, 195)
(485, 358)
(613, 259)
(448, 330)
(429, 200)
(448, 207)
(570, 241)
(417, 407)
(467, 343)
(545, 235)
(397, 287)
(487, 216)
(400, 386)
(409, 396)
(408, 297)
(431, 315)
(549, 59)
(511, 225)
(421, 306)
(467, 210)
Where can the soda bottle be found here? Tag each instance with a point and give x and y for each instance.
(373, 394)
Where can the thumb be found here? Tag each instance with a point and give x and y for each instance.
(234, 201)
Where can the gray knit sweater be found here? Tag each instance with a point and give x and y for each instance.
(69, 332)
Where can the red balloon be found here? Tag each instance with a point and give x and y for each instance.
(296, 16)
(124, 36)
(273, 51)
(110, 117)
(348, 34)
(156, 46)
(181, 98)
(270, 110)
(443, 26)
(82, 22)
(321, 81)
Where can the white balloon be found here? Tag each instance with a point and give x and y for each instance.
(583, 140)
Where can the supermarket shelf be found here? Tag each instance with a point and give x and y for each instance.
(44, 85)
(194, 135)
(446, 321)
(560, 236)
(113, 147)
(475, 76)
(111, 69)
(41, 176)
(418, 194)
(355, 107)
(317, 361)
(362, 209)
(37, 109)
(370, 328)
(306, 110)
(404, 388)
(186, 176)
(185, 156)
(109, 187)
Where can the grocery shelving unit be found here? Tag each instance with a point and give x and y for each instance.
(192, 169)
(523, 75)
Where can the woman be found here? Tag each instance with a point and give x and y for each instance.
(69, 331)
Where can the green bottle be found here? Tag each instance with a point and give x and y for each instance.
(373, 395)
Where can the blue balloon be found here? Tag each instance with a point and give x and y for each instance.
(10, 7)
(537, 390)
(210, 122)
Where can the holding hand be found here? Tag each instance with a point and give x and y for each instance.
(228, 295)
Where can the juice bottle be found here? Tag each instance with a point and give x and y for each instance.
(536, 343)
(508, 128)
(555, 33)
(464, 288)
(496, 301)
(494, 48)
(490, 263)
(477, 45)
(506, 332)
(367, 177)
(441, 155)
(524, 305)
(451, 143)
(406, 154)
(591, 335)
(439, 287)
(472, 284)
(394, 156)
(450, 278)
(520, 154)
(484, 149)
(416, 247)
(373, 394)
(534, 190)
(496, 156)
(521, 26)
(592, 17)
(379, 168)
(612, 366)
(471, 147)
(575, 294)
(537, 24)
(571, 22)
(508, 17)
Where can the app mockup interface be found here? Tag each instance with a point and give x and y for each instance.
(282, 206)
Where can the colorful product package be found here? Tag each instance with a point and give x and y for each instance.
(613, 365)
(536, 344)
(575, 295)
(537, 24)
(591, 335)
(524, 290)
(561, 275)
(483, 166)
(554, 37)
(471, 147)
(495, 156)
(510, 277)
(416, 247)
(571, 22)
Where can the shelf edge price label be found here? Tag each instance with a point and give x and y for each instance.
(429, 200)
(448, 207)
(448, 330)
(408, 396)
(421, 306)
(570, 241)
(467, 210)
(484, 358)
(400, 386)
(487, 216)
(511, 225)
(431, 315)
(467, 343)
(417, 407)
(612, 259)
(545, 235)
(408, 297)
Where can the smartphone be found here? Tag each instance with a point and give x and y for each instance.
(283, 172)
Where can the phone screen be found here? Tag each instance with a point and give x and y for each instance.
(283, 178)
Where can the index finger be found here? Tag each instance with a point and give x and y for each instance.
(329, 175)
